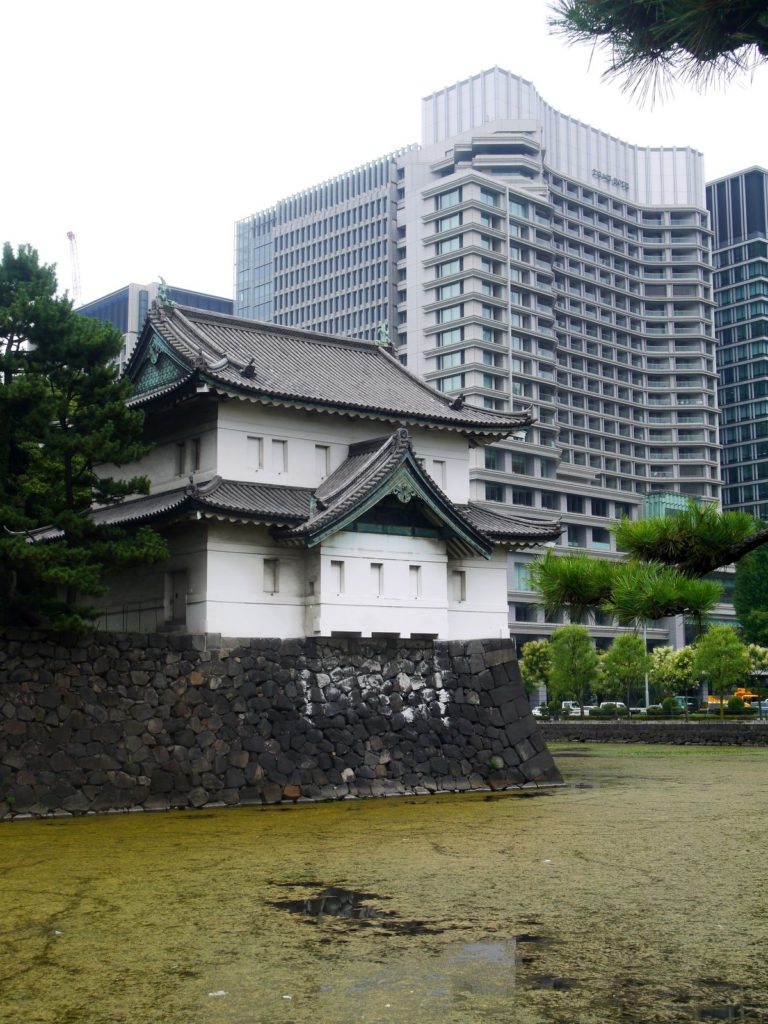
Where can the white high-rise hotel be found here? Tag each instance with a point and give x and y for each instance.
(520, 257)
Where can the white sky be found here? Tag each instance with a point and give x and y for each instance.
(148, 127)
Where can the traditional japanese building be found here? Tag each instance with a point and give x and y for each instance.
(309, 485)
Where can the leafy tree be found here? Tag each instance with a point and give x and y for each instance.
(574, 663)
(722, 659)
(758, 657)
(671, 671)
(63, 413)
(624, 665)
(750, 596)
(661, 574)
(650, 42)
(536, 664)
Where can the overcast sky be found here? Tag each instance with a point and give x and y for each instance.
(149, 128)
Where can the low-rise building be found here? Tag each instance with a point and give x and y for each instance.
(309, 486)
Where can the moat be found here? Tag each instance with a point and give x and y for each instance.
(634, 894)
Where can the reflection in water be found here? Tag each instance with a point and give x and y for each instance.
(585, 908)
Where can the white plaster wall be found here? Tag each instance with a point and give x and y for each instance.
(358, 609)
(452, 450)
(483, 614)
(237, 602)
(161, 464)
(138, 599)
(239, 421)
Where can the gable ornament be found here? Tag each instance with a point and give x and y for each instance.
(404, 491)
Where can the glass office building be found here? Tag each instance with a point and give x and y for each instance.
(738, 205)
(524, 259)
(126, 309)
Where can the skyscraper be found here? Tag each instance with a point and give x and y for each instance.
(738, 205)
(520, 257)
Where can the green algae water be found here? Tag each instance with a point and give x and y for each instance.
(633, 893)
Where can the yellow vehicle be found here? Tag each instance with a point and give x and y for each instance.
(745, 694)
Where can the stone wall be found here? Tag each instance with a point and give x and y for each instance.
(749, 732)
(153, 722)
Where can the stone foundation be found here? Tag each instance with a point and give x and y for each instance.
(154, 722)
(745, 733)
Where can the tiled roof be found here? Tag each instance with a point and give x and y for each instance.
(300, 515)
(501, 525)
(357, 483)
(268, 362)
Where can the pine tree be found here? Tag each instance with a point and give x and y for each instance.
(654, 41)
(63, 416)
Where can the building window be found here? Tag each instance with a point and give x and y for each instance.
(255, 452)
(445, 316)
(322, 460)
(494, 458)
(550, 500)
(522, 582)
(574, 503)
(438, 472)
(459, 585)
(522, 496)
(337, 577)
(447, 199)
(181, 451)
(491, 198)
(280, 456)
(414, 580)
(271, 575)
(448, 269)
(494, 492)
(448, 245)
(524, 612)
(195, 453)
(377, 578)
(446, 223)
(450, 359)
(451, 337)
(453, 383)
(449, 291)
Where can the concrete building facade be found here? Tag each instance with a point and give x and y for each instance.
(526, 260)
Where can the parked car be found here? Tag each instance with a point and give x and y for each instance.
(688, 704)
(572, 707)
(761, 706)
(616, 705)
(539, 711)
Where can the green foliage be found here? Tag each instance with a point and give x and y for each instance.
(750, 595)
(721, 657)
(535, 664)
(758, 658)
(624, 665)
(650, 590)
(671, 671)
(63, 420)
(572, 581)
(574, 663)
(654, 41)
(696, 540)
(735, 706)
(631, 591)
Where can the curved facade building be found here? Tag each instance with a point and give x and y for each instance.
(533, 260)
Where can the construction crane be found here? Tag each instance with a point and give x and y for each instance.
(75, 261)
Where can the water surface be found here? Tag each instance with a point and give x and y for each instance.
(633, 894)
